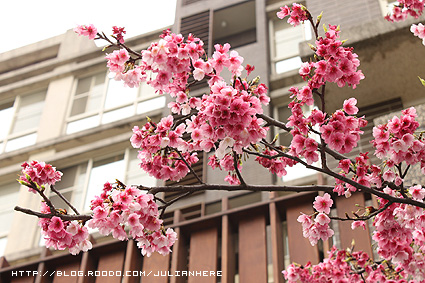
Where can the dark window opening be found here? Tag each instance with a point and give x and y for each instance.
(237, 31)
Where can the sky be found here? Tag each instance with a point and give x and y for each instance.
(27, 21)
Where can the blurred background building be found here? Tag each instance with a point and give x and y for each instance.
(58, 104)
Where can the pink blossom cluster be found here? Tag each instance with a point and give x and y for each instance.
(275, 165)
(400, 235)
(226, 118)
(118, 209)
(344, 266)
(297, 15)
(365, 174)
(336, 64)
(60, 234)
(404, 8)
(419, 31)
(316, 226)
(40, 173)
(86, 30)
(158, 144)
(171, 60)
(117, 60)
(119, 33)
(229, 112)
(342, 132)
(397, 142)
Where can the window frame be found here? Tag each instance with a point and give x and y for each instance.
(306, 172)
(274, 59)
(99, 114)
(89, 165)
(10, 135)
(4, 235)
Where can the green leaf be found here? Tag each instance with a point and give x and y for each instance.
(422, 81)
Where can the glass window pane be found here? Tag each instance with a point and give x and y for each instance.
(99, 79)
(136, 175)
(26, 123)
(118, 114)
(83, 85)
(29, 113)
(103, 171)
(82, 124)
(77, 195)
(287, 40)
(95, 99)
(79, 105)
(59, 203)
(68, 178)
(152, 104)
(6, 116)
(288, 65)
(146, 91)
(297, 171)
(88, 95)
(21, 142)
(118, 94)
(8, 198)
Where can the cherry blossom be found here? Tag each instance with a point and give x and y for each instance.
(120, 207)
(40, 173)
(229, 122)
(405, 8)
(86, 30)
(60, 234)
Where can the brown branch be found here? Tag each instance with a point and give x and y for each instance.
(364, 217)
(50, 215)
(167, 204)
(119, 44)
(188, 166)
(358, 186)
(274, 122)
(253, 188)
(235, 165)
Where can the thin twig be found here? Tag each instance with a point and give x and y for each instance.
(64, 199)
(364, 217)
(167, 204)
(235, 165)
(188, 166)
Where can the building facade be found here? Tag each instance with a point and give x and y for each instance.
(58, 104)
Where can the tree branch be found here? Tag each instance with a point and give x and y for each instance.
(64, 199)
(188, 166)
(50, 215)
(235, 165)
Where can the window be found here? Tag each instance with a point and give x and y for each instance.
(20, 119)
(284, 138)
(237, 31)
(8, 198)
(100, 100)
(82, 182)
(284, 43)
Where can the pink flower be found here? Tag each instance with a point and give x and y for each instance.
(356, 224)
(322, 219)
(86, 30)
(417, 192)
(323, 204)
(350, 106)
(284, 11)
